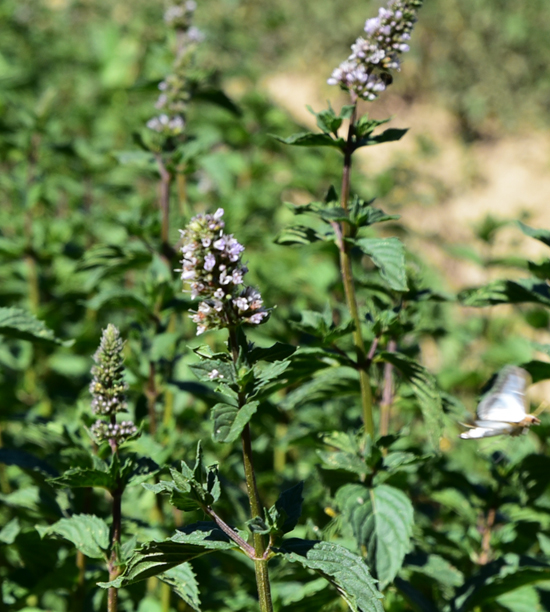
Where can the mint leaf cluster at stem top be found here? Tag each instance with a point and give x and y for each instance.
(212, 266)
(366, 72)
(108, 389)
(174, 89)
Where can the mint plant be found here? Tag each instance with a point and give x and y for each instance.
(279, 428)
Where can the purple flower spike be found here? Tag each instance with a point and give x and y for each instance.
(366, 71)
(212, 267)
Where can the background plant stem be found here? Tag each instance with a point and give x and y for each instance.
(151, 393)
(164, 198)
(387, 394)
(349, 287)
(260, 564)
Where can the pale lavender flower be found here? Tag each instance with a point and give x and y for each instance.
(195, 35)
(212, 266)
(366, 72)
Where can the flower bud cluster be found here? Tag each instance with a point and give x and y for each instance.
(174, 96)
(366, 72)
(108, 388)
(179, 15)
(114, 432)
(213, 268)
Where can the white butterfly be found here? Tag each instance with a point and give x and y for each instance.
(504, 410)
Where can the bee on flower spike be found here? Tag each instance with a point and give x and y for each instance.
(504, 410)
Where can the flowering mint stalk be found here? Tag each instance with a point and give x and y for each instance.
(365, 74)
(175, 94)
(367, 71)
(174, 89)
(212, 266)
(108, 390)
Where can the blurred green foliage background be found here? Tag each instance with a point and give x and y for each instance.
(79, 220)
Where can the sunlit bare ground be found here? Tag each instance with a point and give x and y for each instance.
(507, 178)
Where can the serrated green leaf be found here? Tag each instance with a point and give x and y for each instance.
(210, 370)
(258, 525)
(327, 120)
(327, 383)
(190, 488)
(117, 297)
(388, 255)
(268, 377)
(266, 373)
(544, 543)
(277, 352)
(134, 470)
(85, 477)
(414, 597)
(288, 508)
(20, 324)
(540, 270)
(296, 596)
(87, 532)
(26, 461)
(217, 97)
(310, 139)
(538, 234)
(181, 499)
(184, 583)
(524, 599)
(339, 566)
(435, 567)
(10, 531)
(298, 234)
(112, 259)
(322, 326)
(229, 421)
(363, 214)
(523, 291)
(364, 126)
(343, 441)
(154, 558)
(498, 578)
(401, 460)
(127, 548)
(382, 521)
(390, 135)
(340, 460)
(213, 485)
(425, 388)
(346, 111)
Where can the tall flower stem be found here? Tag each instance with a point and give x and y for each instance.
(112, 598)
(349, 286)
(260, 563)
(108, 390)
(164, 199)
